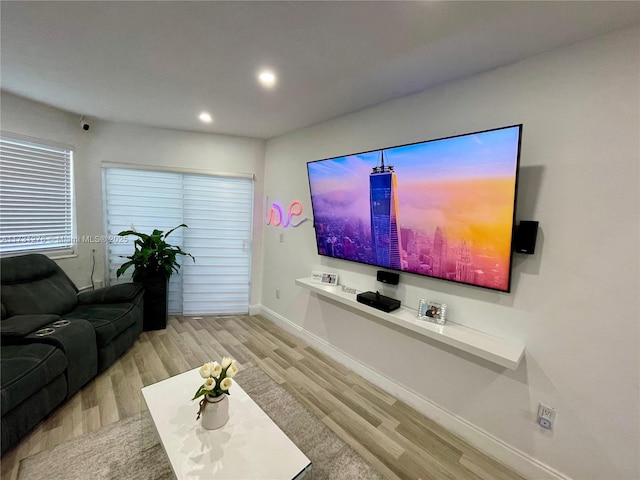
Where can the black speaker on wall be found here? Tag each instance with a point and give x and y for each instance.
(526, 235)
(390, 278)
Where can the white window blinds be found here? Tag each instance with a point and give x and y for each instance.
(36, 197)
(144, 201)
(218, 211)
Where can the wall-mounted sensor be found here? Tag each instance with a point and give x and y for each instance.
(83, 123)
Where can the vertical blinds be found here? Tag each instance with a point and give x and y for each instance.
(36, 197)
(218, 211)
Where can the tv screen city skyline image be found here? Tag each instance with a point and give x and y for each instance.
(442, 208)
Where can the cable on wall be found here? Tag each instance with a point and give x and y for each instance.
(93, 267)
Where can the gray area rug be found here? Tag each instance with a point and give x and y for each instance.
(130, 448)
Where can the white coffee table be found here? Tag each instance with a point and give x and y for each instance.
(249, 447)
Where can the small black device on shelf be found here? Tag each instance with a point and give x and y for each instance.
(375, 300)
(390, 278)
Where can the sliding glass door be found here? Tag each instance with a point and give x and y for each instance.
(218, 211)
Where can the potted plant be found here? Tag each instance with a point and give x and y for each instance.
(214, 391)
(153, 261)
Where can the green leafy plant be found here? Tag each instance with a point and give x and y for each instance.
(152, 254)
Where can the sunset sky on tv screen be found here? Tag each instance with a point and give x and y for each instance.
(455, 205)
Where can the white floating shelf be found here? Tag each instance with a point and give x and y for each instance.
(477, 343)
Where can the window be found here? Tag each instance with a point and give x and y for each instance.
(36, 197)
(219, 213)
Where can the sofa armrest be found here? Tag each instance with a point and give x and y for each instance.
(22, 325)
(120, 293)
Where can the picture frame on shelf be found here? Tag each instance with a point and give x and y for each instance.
(330, 278)
(326, 278)
(432, 311)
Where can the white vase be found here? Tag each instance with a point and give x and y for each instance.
(216, 412)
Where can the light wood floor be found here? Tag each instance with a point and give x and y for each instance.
(393, 437)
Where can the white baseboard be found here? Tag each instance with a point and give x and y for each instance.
(515, 459)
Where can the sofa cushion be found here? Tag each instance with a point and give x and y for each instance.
(35, 284)
(119, 293)
(108, 320)
(25, 369)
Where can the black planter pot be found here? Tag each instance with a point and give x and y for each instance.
(155, 301)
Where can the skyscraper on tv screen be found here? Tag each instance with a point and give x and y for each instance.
(385, 224)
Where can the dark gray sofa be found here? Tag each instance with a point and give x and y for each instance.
(54, 339)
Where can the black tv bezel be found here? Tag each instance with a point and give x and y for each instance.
(422, 275)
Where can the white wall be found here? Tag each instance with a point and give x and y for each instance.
(130, 144)
(40, 121)
(574, 304)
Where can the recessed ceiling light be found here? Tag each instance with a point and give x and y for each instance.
(267, 78)
(205, 117)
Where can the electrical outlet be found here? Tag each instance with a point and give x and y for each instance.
(277, 293)
(546, 416)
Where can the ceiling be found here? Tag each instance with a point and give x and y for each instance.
(162, 63)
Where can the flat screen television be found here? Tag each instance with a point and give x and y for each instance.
(441, 208)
